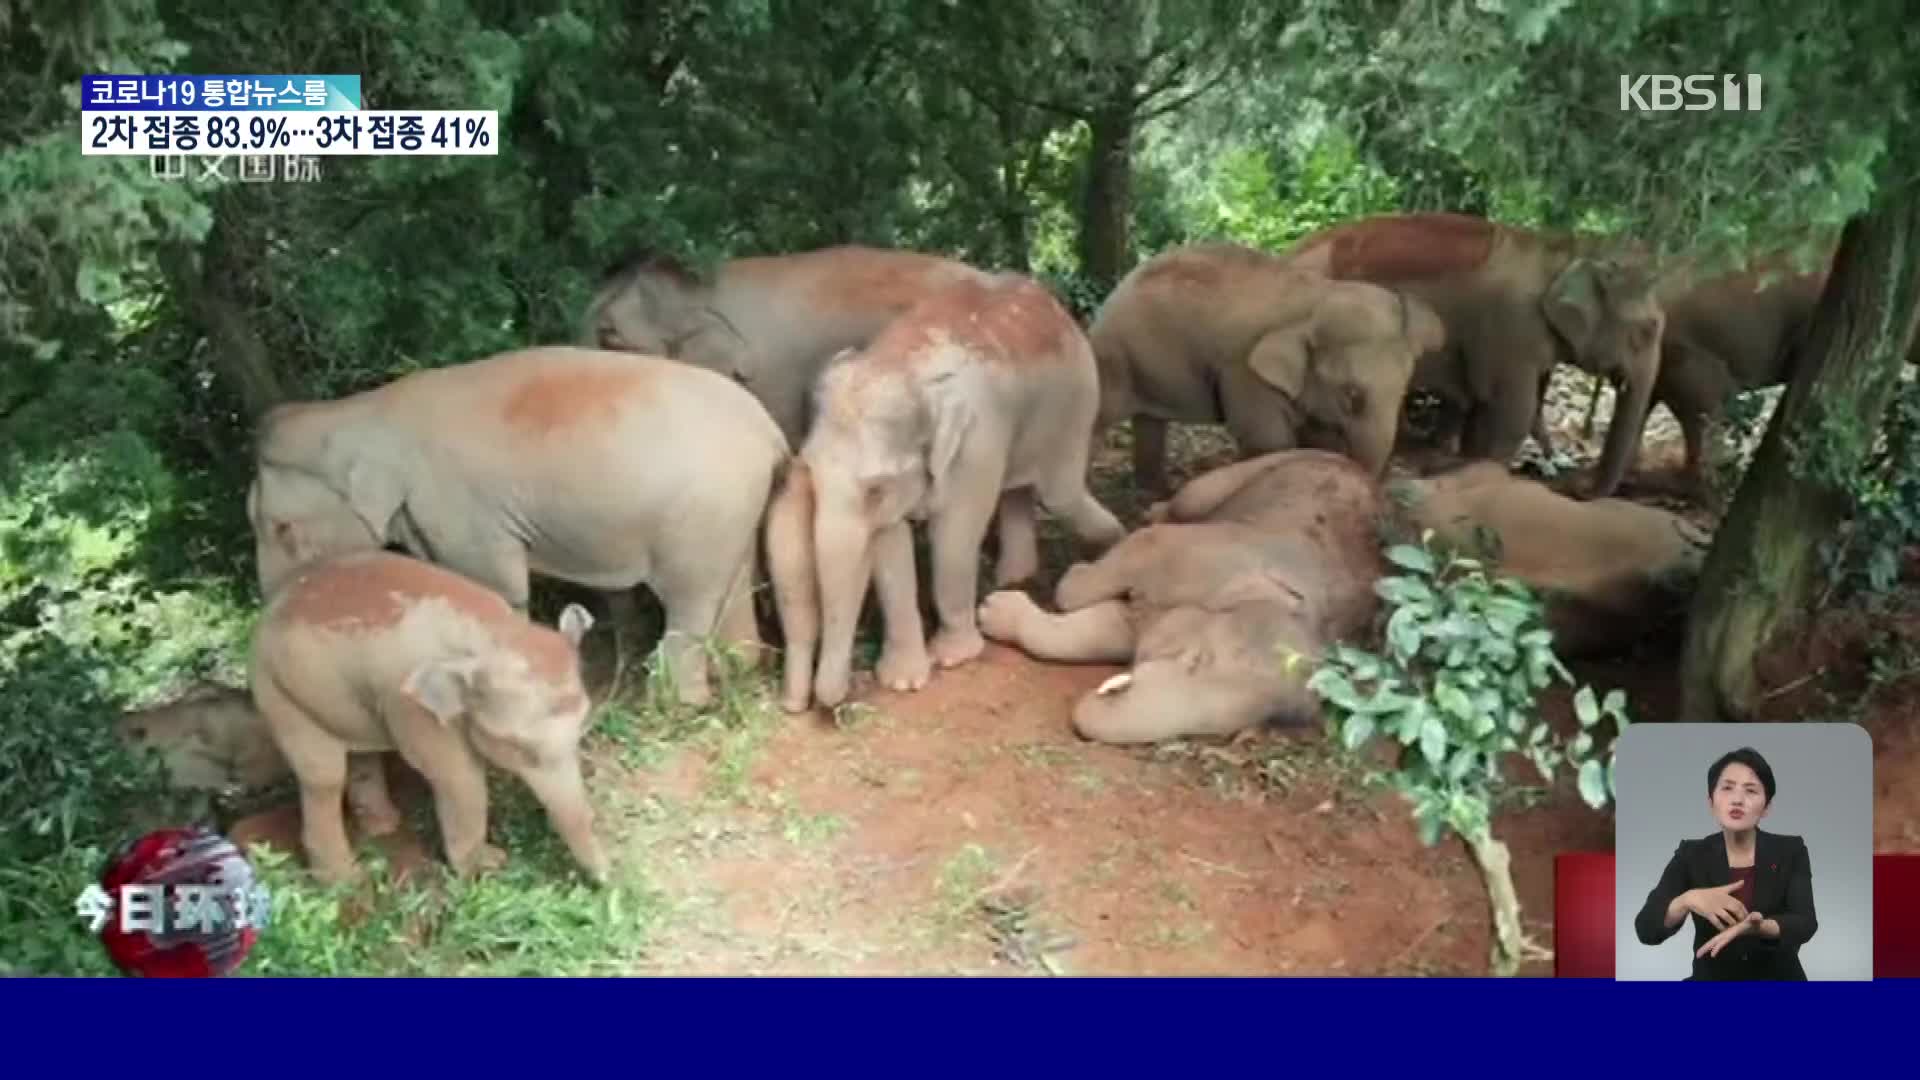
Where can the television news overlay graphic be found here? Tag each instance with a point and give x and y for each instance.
(176, 903)
(1689, 93)
(1583, 923)
(1583, 915)
(247, 168)
(1896, 916)
(1717, 823)
(375, 133)
(227, 93)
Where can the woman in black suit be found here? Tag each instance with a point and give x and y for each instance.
(1750, 892)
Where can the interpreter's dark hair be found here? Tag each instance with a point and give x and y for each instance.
(1749, 757)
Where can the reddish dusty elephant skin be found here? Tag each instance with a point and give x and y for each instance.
(368, 652)
(1275, 553)
(983, 389)
(773, 322)
(1283, 356)
(1515, 304)
(608, 470)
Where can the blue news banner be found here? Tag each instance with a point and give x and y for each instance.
(220, 115)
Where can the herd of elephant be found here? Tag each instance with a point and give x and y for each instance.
(788, 418)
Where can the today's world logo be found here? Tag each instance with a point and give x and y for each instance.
(1692, 93)
(176, 902)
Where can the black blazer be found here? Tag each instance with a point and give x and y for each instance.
(1782, 891)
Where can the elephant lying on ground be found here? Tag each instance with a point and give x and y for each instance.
(773, 322)
(980, 389)
(1215, 333)
(605, 469)
(210, 739)
(1277, 551)
(375, 651)
(1610, 570)
(1515, 304)
(1283, 551)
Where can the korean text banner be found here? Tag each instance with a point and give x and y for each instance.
(220, 93)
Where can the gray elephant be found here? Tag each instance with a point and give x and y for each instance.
(773, 322)
(1276, 551)
(373, 651)
(1515, 304)
(605, 469)
(209, 739)
(1221, 332)
(981, 389)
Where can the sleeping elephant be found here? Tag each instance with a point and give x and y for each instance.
(604, 469)
(1515, 304)
(980, 389)
(1610, 571)
(1276, 551)
(772, 323)
(1220, 332)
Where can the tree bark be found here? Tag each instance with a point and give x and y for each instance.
(1761, 571)
(1511, 946)
(216, 294)
(1105, 241)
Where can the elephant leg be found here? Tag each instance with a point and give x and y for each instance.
(904, 664)
(705, 585)
(319, 763)
(1165, 698)
(1204, 493)
(1112, 575)
(561, 791)
(459, 783)
(1064, 493)
(1019, 555)
(1150, 455)
(1538, 430)
(368, 796)
(958, 531)
(1497, 428)
(1101, 634)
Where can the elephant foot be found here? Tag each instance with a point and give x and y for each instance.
(330, 872)
(378, 822)
(904, 668)
(1003, 614)
(952, 647)
(484, 860)
(1156, 514)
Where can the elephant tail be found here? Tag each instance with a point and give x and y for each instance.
(796, 585)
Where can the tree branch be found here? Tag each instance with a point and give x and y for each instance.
(1181, 102)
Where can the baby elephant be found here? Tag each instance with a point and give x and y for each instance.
(1277, 551)
(374, 651)
(1609, 570)
(981, 388)
(209, 739)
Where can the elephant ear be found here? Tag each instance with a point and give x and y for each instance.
(376, 493)
(574, 623)
(1281, 360)
(445, 688)
(1573, 302)
(951, 416)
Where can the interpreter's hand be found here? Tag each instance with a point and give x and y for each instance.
(1725, 937)
(1716, 904)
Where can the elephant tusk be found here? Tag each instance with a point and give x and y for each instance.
(1115, 684)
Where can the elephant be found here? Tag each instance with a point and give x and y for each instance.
(1515, 304)
(605, 469)
(1274, 552)
(209, 739)
(1726, 335)
(981, 388)
(1609, 571)
(772, 323)
(374, 651)
(1217, 332)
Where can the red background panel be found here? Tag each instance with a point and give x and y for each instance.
(1583, 915)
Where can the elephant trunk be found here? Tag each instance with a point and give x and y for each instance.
(796, 590)
(1623, 434)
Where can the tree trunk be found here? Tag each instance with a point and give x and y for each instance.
(1104, 215)
(216, 293)
(1510, 943)
(1760, 573)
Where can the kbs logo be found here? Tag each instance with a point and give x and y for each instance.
(1664, 93)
